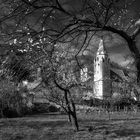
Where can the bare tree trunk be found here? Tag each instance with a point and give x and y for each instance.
(1, 110)
(69, 116)
(71, 110)
(70, 105)
(18, 109)
(75, 117)
(67, 105)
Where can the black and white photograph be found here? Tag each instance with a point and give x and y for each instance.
(69, 69)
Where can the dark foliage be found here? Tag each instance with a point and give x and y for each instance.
(124, 102)
(43, 108)
(119, 104)
(10, 113)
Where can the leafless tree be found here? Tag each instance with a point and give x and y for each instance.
(31, 23)
(29, 20)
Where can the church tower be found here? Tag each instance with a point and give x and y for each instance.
(101, 86)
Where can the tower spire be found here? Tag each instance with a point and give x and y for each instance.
(101, 49)
(101, 87)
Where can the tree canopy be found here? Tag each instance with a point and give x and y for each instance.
(35, 26)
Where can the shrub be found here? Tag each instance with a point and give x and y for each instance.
(44, 108)
(52, 108)
(10, 112)
(40, 108)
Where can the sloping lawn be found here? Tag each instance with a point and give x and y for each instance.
(122, 126)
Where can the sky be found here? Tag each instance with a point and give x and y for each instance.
(116, 48)
(118, 51)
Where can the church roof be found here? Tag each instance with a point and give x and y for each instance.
(119, 73)
(101, 49)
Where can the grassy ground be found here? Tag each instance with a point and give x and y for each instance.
(93, 126)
